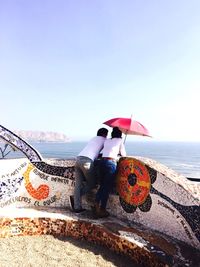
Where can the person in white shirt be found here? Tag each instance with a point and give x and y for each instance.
(113, 148)
(84, 169)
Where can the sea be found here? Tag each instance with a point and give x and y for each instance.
(182, 157)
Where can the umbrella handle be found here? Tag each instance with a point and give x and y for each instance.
(127, 131)
(125, 138)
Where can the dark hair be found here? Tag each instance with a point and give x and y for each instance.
(102, 132)
(116, 133)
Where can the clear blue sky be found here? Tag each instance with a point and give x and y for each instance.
(67, 66)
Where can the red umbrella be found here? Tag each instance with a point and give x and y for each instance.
(128, 126)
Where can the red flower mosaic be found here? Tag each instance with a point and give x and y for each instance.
(134, 184)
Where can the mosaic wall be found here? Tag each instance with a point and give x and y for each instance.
(146, 192)
(114, 236)
(23, 184)
(9, 137)
(159, 199)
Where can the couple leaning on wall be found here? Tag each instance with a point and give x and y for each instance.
(85, 178)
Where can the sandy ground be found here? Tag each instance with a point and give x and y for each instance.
(43, 251)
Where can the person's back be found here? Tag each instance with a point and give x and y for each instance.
(93, 147)
(84, 169)
(113, 147)
(108, 166)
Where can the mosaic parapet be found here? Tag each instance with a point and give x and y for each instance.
(146, 192)
(144, 247)
(18, 143)
(143, 194)
(153, 195)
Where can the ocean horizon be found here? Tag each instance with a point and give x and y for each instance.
(182, 157)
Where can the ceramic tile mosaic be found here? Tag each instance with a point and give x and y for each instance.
(144, 247)
(146, 192)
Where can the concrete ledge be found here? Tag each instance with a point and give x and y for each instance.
(144, 247)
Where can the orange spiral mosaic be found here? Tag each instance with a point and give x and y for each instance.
(39, 193)
(133, 181)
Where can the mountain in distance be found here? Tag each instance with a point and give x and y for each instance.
(40, 136)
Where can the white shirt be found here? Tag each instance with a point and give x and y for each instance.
(93, 148)
(113, 147)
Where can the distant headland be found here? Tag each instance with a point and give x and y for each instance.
(41, 136)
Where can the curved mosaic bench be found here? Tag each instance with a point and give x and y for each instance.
(144, 247)
(147, 193)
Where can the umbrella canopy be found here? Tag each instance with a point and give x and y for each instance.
(128, 126)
